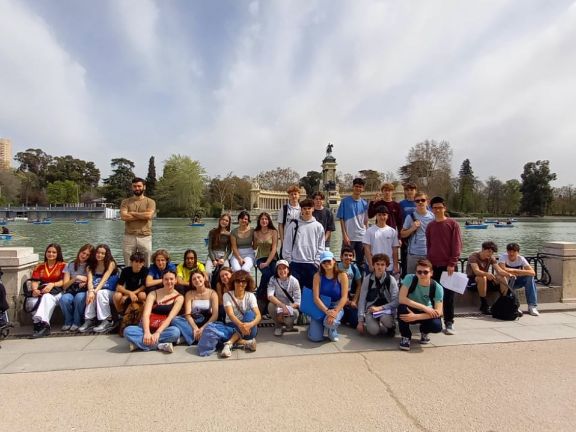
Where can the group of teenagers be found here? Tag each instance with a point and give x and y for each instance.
(218, 306)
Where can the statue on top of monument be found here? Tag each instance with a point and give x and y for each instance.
(329, 148)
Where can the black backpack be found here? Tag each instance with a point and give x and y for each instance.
(506, 307)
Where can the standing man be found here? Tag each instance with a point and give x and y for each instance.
(324, 216)
(353, 215)
(382, 239)
(137, 213)
(385, 197)
(414, 233)
(289, 211)
(303, 244)
(444, 244)
(407, 207)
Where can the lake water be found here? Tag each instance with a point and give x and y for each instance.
(176, 236)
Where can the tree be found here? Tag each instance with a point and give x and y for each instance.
(34, 161)
(219, 193)
(62, 192)
(311, 182)
(536, 191)
(278, 179)
(84, 174)
(372, 178)
(10, 186)
(564, 203)
(429, 167)
(466, 183)
(344, 181)
(119, 185)
(151, 178)
(494, 193)
(181, 187)
(512, 197)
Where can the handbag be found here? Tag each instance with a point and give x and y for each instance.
(155, 321)
(308, 306)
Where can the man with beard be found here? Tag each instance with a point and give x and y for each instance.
(137, 212)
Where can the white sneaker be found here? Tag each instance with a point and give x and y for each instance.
(66, 327)
(73, 328)
(132, 347)
(532, 310)
(278, 331)
(250, 345)
(226, 351)
(449, 330)
(166, 347)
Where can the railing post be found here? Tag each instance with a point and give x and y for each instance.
(560, 258)
(17, 264)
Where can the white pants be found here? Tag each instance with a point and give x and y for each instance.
(100, 307)
(132, 243)
(248, 255)
(46, 307)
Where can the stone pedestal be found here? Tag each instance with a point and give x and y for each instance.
(17, 264)
(561, 262)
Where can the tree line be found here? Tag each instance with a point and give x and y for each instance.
(185, 190)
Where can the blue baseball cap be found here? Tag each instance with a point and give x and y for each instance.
(326, 256)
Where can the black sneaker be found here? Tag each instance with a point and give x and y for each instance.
(44, 331)
(485, 309)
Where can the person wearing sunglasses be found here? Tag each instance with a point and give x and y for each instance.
(414, 232)
(421, 302)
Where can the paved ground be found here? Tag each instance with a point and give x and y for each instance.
(491, 376)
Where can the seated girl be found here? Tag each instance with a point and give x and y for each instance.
(47, 282)
(332, 283)
(242, 239)
(155, 331)
(219, 248)
(284, 297)
(102, 279)
(242, 318)
(73, 300)
(185, 270)
(160, 264)
(265, 243)
(200, 308)
(222, 286)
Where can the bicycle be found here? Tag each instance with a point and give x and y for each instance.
(542, 273)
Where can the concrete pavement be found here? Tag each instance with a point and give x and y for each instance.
(490, 376)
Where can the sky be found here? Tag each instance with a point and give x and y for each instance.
(247, 86)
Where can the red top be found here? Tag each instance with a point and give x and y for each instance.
(46, 274)
(444, 243)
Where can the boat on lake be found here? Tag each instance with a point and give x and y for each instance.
(42, 222)
(475, 224)
(504, 225)
(81, 221)
(5, 236)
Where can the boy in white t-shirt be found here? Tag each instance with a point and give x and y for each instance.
(518, 266)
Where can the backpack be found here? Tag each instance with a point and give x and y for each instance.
(431, 293)
(374, 295)
(506, 307)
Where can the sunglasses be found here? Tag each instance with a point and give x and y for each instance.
(422, 272)
(419, 200)
(242, 281)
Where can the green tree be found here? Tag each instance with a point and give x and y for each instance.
(10, 186)
(466, 184)
(536, 191)
(83, 173)
(34, 161)
(180, 189)
(494, 193)
(278, 179)
(311, 182)
(151, 178)
(62, 192)
(119, 185)
(512, 197)
(372, 178)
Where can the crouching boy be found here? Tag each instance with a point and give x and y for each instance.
(378, 300)
(420, 303)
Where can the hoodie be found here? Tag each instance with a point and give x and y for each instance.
(308, 243)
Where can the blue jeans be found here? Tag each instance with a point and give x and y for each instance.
(248, 316)
(216, 333)
(73, 308)
(316, 328)
(431, 325)
(185, 328)
(304, 272)
(529, 288)
(135, 335)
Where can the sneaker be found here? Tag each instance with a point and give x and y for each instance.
(485, 309)
(132, 347)
(88, 325)
(166, 347)
(66, 328)
(226, 351)
(449, 330)
(278, 331)
(250, 345)
(520, 313)
(44, 330)
(532, 310)
(424, 339)
(104, 326)
(333, 335)
(73, 328)
(405, 344)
